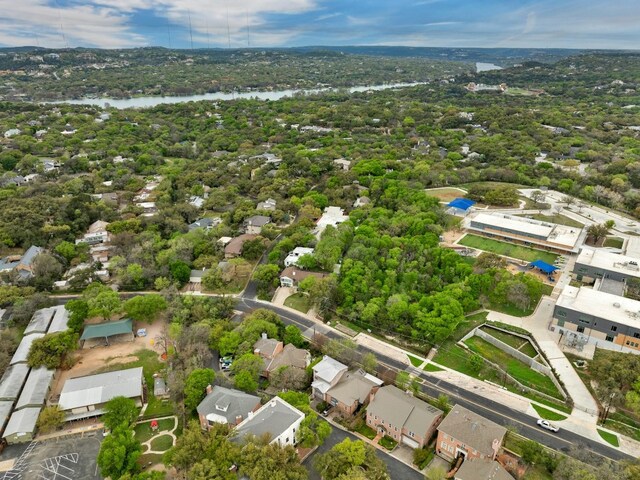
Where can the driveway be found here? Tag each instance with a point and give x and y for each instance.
(397, 470)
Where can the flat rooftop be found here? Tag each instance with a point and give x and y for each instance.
(610, 261)
(621, 310)
(552, 232)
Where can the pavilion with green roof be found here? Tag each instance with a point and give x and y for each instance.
(108, 329)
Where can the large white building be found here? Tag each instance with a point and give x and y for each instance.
(526, 231)
(296, 254)
(332, 216)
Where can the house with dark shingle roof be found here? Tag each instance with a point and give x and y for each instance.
(253, 225)
(401, 416)
(482, 469)
(227, 406)
(466, 433)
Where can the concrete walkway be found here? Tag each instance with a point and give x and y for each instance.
(160, 433)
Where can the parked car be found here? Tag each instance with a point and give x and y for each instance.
(547, 425)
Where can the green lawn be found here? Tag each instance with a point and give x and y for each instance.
(613, 242)
(366, 431)
(609, 437)
(298, 301)
(415, 361)
(559, 219)
(150, 363)
(548, 414)
(143, 430)
(430, 367)
(162, 443)
(518, 343)
(148, 459)
(507, 249)
(514, 367)
(388, 442)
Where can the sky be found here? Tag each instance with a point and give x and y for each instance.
(592, 24)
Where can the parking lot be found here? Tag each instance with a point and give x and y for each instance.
(64, 458)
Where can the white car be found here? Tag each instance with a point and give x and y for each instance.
(547, 425)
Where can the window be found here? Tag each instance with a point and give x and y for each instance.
(375, 417)
(614, 328)
(411, 434)
(443, 445)
(580, 329)
(562, 313)
(584, 320)
(609, 338)
(636, 335)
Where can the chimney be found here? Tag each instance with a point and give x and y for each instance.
(238, 419)
(209, 389)
(264, 335)
(273, 403)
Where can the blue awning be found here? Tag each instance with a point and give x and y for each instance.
(544, 266)
(461, 203)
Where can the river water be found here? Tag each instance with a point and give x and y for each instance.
(146, 102)
(485, 67)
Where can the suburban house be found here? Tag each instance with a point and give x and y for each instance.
(361, 202)
(585, 315)
(253, 225)
(21, 264)
(275, 418)
(482, 469)
(342, 163)
(196, 275)
(234, 247)
(96, 233)
(526, 231)
(467, 434)
(326, 374)
(292, 276)
(21, 426)
(295, 254)
(224, 405)
(352, 391)
(205, 223)
(275, 355)
(84, 397)
(269, 205)
(401, 416)
(332, 216)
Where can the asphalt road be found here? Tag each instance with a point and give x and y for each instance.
(501, 414)
(397, 470)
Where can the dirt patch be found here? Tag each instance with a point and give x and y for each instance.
(91, 360)
(533, 271)
(450, 237)
(446, 194)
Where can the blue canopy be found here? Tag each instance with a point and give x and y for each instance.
(544, 266)
(461, 203)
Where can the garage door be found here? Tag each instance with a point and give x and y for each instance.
(410, 442)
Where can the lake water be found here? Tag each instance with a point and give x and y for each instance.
(485, 67)
(146, 102)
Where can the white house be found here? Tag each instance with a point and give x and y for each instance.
(276, 418)
(296, 254)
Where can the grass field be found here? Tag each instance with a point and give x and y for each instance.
(388, 442)
(507, 249)
(514, 367)
(430, 367)
(162, 443)
(298, 301)
(415, 361)
(613, 242)
(558, 218)
(518, 343)
(143, 430)
(609, 438)
(446, 194)
(548, 414)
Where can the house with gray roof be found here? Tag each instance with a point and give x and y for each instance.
(276, 354)
(5, 412)
(40, 321)
(276, 419)
(482, 469)
(403, 417)
(465, 433)
(269, 205)
(36, 388)
(352, 391)
(253, 225)
(60, 320)
(205, 223)
(326, 373)
(12, 381)
(22, 352)
(84, 397)
(22, 265)
(227, 406)
(22, 425)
